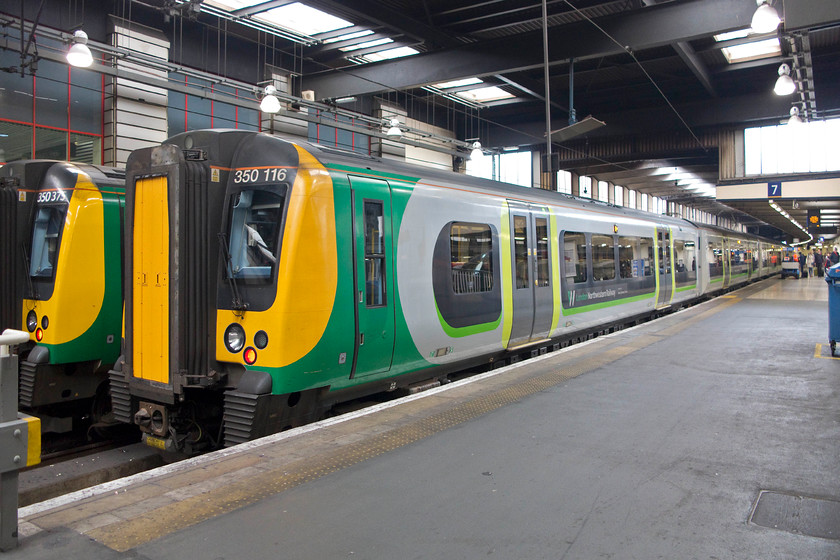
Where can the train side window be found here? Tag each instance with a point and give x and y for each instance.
(633, 257)
(471, 250)
(374, 254)
(543, 263)
(646, 254)
(603, 257)
(715, 257)
(466, 278)
(574, 256)
(685, 262)
(520, 243)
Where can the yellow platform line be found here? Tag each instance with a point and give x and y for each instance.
(818, 353)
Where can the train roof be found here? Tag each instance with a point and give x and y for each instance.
(32, 172)
(507, 190)
(429, 175)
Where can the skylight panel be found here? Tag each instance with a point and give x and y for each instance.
(301, 18)
(752, 51)
(737, 34)
(367, 44)
(348, 36)
(397, 52)
(459, 83)
(485, 94)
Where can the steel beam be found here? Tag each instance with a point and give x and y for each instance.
(650, 27)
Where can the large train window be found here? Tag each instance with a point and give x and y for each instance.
(685, 257)
(254, 235)
(466, 277)
(634, 256)
(574, 256)
(603, 257)
(471, 248)
(49, 221)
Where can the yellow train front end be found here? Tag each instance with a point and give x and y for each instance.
(72, 295)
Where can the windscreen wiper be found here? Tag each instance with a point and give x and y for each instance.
(238, 303)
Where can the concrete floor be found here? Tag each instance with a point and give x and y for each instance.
(661, 452)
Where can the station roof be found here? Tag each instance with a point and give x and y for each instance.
(670, 79)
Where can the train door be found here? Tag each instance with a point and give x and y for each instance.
(531, 273)
(664, 269)
(374, 278)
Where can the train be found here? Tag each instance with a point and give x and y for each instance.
(61, 256)
(268, 279)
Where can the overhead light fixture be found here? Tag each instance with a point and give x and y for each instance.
(784, 84)
(477, 153)
(394, 129)
(79, 53)
(794, 116)
(270, 103)
(766, 18)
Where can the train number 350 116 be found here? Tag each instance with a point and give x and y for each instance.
(259, 175)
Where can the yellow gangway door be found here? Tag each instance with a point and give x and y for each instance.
(151, 280)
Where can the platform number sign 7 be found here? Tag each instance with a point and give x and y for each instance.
(774, 189)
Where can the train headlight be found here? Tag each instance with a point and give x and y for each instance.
(45, 322)
(39, 335)
(250, 356)
(31, 321)
(234, 338)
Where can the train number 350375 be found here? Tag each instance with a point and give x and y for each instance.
(51, 196)
(259, 175)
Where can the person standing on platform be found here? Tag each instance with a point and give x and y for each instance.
(818, 263)
(801, 260)
(834, 257)
(809, 262)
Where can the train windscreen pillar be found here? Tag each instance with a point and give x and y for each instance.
(20, 438)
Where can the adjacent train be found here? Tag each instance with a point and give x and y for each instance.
(269, 279)
(61, 257)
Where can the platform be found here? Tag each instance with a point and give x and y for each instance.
(711, 433)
